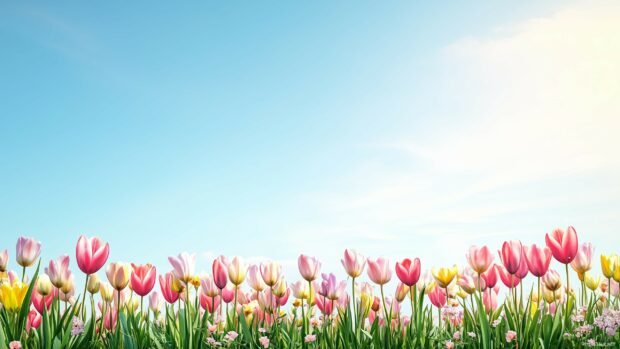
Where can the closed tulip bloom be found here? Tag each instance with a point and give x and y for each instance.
(58, 271)
(438, 297)
(107, 292)
(12, 295)
(165, 283)
(466, 282)
(510, 280)
(490, 276)
(209, 287)
(33, 321)
(183, 266)
(255, 280)
(308, 267)
(155, 302)
(237, 271)
(523, 268)
(43, 301)
(44, 285)
(4, 260)
(220, 273)
(143, 278)
(402, 291)
(93, 284)
(379, 271)
(118, 275)
(489, 299)
(563, 244)
(592, 282)
(270, 271)
(479, 258)
(300, 290)
(552, 280)
(408, 271)
(608, 264)
(510, 255)
(27, 251)
(228, 293)
(538, 259)
(353, 263)
(91, 254)
(444, 276)
(279, 289)
(583, 260)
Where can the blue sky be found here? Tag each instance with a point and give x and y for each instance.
(272, 129)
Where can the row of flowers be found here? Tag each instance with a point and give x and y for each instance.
(193, 309)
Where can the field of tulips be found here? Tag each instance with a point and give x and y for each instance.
(508, 299)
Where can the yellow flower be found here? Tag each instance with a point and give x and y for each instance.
(444, 276)
(608, 265)
(12, 296)
(592, 282)
(195, 281)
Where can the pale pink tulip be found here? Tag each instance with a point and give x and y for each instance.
(58, 271)
(118, 275)
(353, 263)
(270, 271)
(91, 254)
(438, 297)
(4, 260)
(583, 260)
(155, 302)
(183, 266)
(27, 251)
(510, 255)
(143, 278)
(552, 280)
(209, 287)
(379, 271)
(489, 299)
(538, 259)
(563, 245)
(255, 280)
(237, 271)
(330, 288)
(479, 258)
(408, 271)
(308, 267)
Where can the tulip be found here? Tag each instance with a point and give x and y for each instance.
(510, 280)
(228, 293)
(27, 251)
(330, 288)
(33, 321)
(94, 284)
(183, 266)
(107, 292)
(592, 282)
(110, 319)
(325, 306)
(44, 285)
(300, 290)
(4, 260)
(583, 260)
(490, 276)
(237, 271)
(408, 271)
(564, 245)
(208, 286)
(165, 283)
(444, 276)
(43, 300)
(91, 254)
(210, 304)
(538, 259)
(489, 299)
(59, 272)
(479, 258)
(308, 267)
(270, 271)
(608, 265)
(143, 278)
(402, 291)
(438, 297)
(12, 295)
(155, 302)
(255, 280)
(510, 255)
(379, 271)
(220, 273)
(353, 263)
(118, 275)
(466, 282)
(552, 280)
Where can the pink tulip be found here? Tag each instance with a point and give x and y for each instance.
(34, 320)
(552, 280)
(270, 271)
(379, 271)
(237, 271)
(281, 301)
(91, 254)
(510, 255)
(330, 288)
(143, 278)
(490, 276)
(308, 267)
(479, 258)
(538, 259)
(59, 272)
(27, 251)
(109, 319)
(563, 245)
(255, 280)
(583, 260)
(510, 336)
(4, 260)
(523, 269)
(155, 302)
(118, 275)
(438, 297)
(408, 271)
(489, 299)
(228, 294)
(183, 266)
(210, 304)
(39, 301)
(209, 287)
(510, 280)
(353, 263)
(220, 273)
(325, 305)
(165, 283)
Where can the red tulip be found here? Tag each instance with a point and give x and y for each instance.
(438, 297)
(510, 255)
(39, 301)
(220, 273)
(408, 271)
(563, 245)
(479, 258)
(165, 282)
(490, 276)
(143, 278)
(91, 254)
(510, 280)
(537, 259)
(34, 320)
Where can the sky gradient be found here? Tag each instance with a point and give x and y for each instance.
(273, 129)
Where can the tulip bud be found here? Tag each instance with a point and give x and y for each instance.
(107, 292)
(93, 284)
(44, 285)
(4, 260)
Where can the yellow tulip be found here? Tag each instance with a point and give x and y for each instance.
(107, 292)
(592, 282)
(12, 296)
(608, 265)
(444, 276)
(616, 275)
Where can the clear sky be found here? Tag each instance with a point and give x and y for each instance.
(265, 128)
